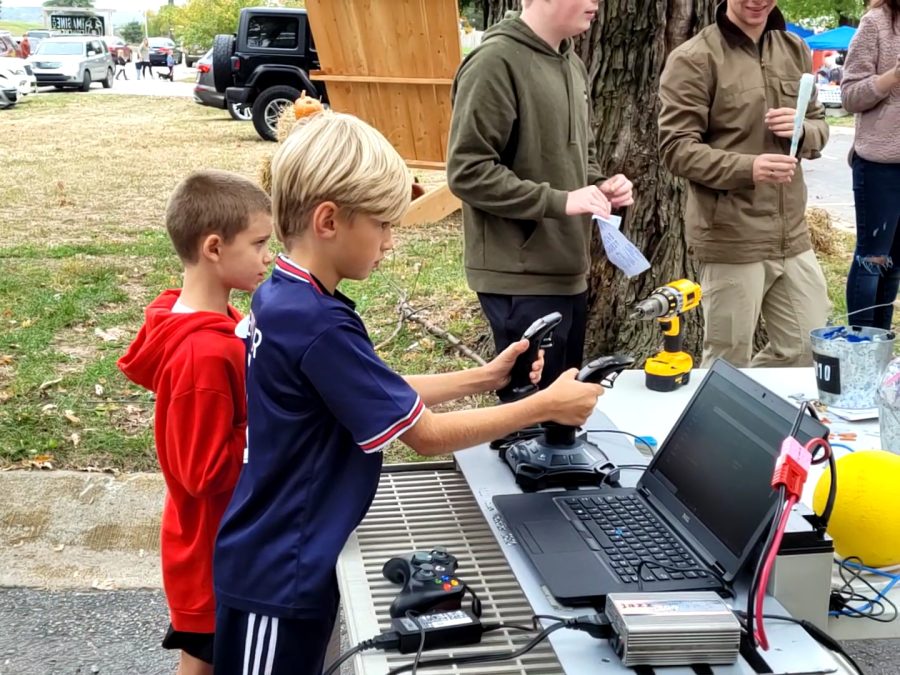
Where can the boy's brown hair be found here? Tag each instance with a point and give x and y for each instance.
(211, 202)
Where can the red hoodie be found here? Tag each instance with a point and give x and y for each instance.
(194, 364)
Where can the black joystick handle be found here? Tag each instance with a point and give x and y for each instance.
(520, 384)
(603, 370)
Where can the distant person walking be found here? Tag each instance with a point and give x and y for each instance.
(25, 47)
(144, 51)
(120, 65)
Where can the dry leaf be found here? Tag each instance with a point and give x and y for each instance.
(26, 323)
(58, 549)
(19, 543)
(69, 415)
(48, 409)
(5, 360)
(104, 585)
(5, 396)
(75, 438)
(98, 389)
(43, 458)
(49, 383)
(111, 335)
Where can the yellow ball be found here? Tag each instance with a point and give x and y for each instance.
(866, 517)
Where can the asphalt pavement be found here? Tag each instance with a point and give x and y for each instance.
(80, 582)
(152, 86)
(829, 180)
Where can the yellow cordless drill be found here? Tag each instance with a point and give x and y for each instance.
(671, 368)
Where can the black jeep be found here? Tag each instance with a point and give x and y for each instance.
(266, 65)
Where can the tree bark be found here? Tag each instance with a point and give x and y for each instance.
(625, 51)
(494, 10)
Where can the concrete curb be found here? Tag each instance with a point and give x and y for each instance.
(71, 530)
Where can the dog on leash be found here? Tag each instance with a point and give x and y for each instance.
(160, 75)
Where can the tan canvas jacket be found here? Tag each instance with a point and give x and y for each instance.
(715, 91)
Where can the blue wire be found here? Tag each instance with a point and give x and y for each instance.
(882, 594)
(841, 445)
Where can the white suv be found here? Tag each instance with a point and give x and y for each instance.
(73, 61)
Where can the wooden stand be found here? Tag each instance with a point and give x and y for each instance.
(392, 63)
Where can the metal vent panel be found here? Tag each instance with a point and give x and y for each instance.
(419, 510)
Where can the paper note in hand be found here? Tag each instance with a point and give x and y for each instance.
(807, 81)
(620, 251)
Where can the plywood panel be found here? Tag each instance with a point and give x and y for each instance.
(391, 63)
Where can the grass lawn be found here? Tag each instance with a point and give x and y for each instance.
(17, 28)
(846, 121)
(83, 250)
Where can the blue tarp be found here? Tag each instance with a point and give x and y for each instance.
(839, 39)
(799, 30)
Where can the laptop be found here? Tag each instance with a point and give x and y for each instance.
(694, 517)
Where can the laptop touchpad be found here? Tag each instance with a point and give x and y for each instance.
(552, 536)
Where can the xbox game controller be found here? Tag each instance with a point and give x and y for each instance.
(429, 582)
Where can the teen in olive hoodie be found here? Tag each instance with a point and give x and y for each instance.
(523, 162)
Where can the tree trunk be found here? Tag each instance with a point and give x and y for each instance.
(494, 10)
(625, 51)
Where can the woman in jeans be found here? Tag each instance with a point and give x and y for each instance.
(871, 88)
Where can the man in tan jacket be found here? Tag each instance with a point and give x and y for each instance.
(728, 99)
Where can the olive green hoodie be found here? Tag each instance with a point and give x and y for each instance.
(520, 140)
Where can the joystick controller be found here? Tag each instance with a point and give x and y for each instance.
(429, 582)
(555, 457)
(539, 336)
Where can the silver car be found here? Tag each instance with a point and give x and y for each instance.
(9, 92)
(73, 61)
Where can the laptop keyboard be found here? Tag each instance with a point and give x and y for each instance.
(628, 532)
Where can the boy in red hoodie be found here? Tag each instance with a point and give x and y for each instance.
(188, 355)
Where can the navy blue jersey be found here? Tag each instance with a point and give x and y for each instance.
(321, 406)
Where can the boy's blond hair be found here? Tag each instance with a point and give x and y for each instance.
(338, 158)
(211, 202)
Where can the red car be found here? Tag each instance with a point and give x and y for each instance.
(115, 44)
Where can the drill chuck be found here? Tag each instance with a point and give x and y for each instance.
(650, 308)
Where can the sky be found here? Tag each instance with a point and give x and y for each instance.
(123, 5)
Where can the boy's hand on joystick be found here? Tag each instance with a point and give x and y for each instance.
(498, 370)
(568, 401)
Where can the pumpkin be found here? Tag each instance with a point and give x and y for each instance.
(306, 106)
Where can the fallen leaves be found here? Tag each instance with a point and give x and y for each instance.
(110, 334)
(69, 415)
(49, 383)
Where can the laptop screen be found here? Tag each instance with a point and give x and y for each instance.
(718, 460)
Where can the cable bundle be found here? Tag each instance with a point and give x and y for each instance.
(875, 604)
(791, 470)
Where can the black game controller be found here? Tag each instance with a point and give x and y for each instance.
(556, 458)
(538, 335)
(429, 582)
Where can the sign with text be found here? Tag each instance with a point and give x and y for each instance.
(78, 23)
(828, 373)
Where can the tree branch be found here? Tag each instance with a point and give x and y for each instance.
(408, 312)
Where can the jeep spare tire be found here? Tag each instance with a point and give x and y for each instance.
(223, 48)
(267, 109)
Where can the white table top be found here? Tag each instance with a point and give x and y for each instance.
(634, 408)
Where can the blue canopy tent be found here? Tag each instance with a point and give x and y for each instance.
(838, 39)
(799, 30)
